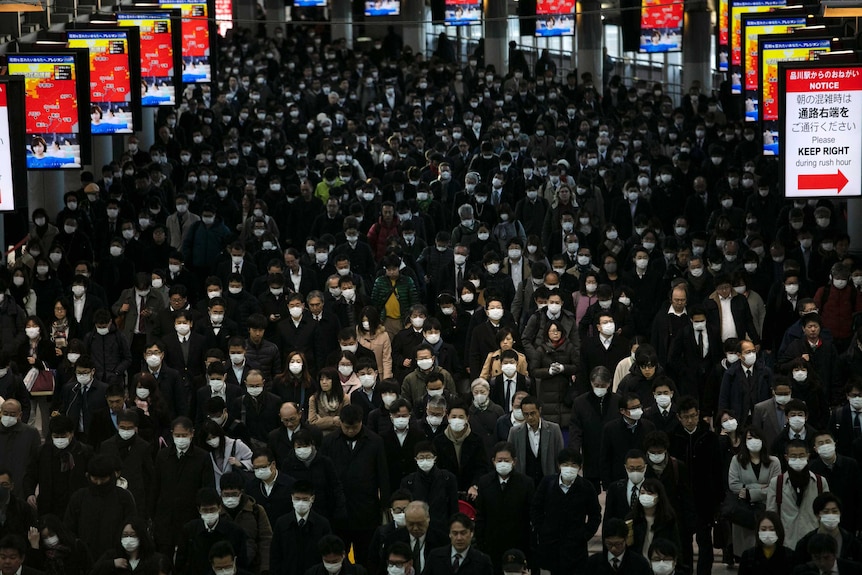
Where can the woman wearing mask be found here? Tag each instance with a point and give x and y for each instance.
(294, 383)
(652, 518)
(42, 230)
(535, 253)
(664, 557)
(507, 228)
(21, 291)
(553, 365)
(328, 399)
(63, 326)
(769, 556)
(493, 366)
(147, 397)
(748, 478)
(484, 413)
(372, 336)
(586, 296)
(37, 351)
(611, 242)
(347, 375)
(730, 440)
(55, 550)
(134, 552)
(227, 455)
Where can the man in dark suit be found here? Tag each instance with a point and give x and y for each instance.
(746, 383)
(280, 440)
(181, 470)
(239, 367)
(622, 493)
(669, 321)
(104, 424)
(299, 332)
(823, 550)
(739, 323)
(84, 304)
(796, 414)
(471, 463)
(389, 533)
(348, 307)
(332, 552)
(13, 550)
(184, 350)
(590, 412)
(845, 421)
(178, 300)
(257, 409)
(507, 384)
(270, 488)
(505, 496)
(223, 559)
(460, 557)
(217, 327)
(360, 463)
(217, 386)
(615, 558)
(842, 474)
(136, 456)
(697, 446)
(619, 436)
(606, 348)
(200, 534)
(693, 353)
(399, 442)
(328, 326)
(296, 534)
(238, 264)
(174, 393)
(81, 398)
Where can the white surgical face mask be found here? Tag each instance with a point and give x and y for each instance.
(754, 445)
(60, 442)
(797, 463)
(568, 473)
(664, 567)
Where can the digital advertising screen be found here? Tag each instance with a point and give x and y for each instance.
(463, 12)
(114, 94)
(820, 108)
(555, 18)
(224, 16)
(771, 51)
(383, 8)
(723, 35)
(197, 46)
(13, 174)
(159, 49)
(661, 26)
(56, 132)
(737, 9)
(753, 26)
(309, 3)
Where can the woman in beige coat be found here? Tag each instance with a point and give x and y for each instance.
(327, 401)
(493, 366)
(372, 336)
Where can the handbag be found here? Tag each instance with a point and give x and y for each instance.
(741, 512)
(40, 381)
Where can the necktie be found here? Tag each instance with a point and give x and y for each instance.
(700, 343)
(301, 523)
(857, 429)
(459, 278)
(634, 496)
(141, 308)
(665, 414)
(417, 555)
(615, 564)
(84, 407)
(184, 346)
(456, 562)
(509, 386)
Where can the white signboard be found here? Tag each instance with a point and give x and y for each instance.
(822, 114)
(7, 198)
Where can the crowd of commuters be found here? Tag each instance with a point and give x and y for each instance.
(366, 313)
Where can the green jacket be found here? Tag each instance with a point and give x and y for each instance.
(405, 292)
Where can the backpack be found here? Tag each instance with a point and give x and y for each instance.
(779, 490)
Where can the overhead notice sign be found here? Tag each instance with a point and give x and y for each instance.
(822, 122)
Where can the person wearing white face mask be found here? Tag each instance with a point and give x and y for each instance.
(212, 524)
(746, 381)
(792, 493)
(769, 554)
(217, 387)
(590, 412)
(405, 341)
(426, 481)
(328, 399)
(842, 473)
(830, 509)
(295, 547)
(251, 517)
(565, 503)
(622, 434)
(484, 412)
(227, 455)
(468, 462)
(417, 383)
(749, 475)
